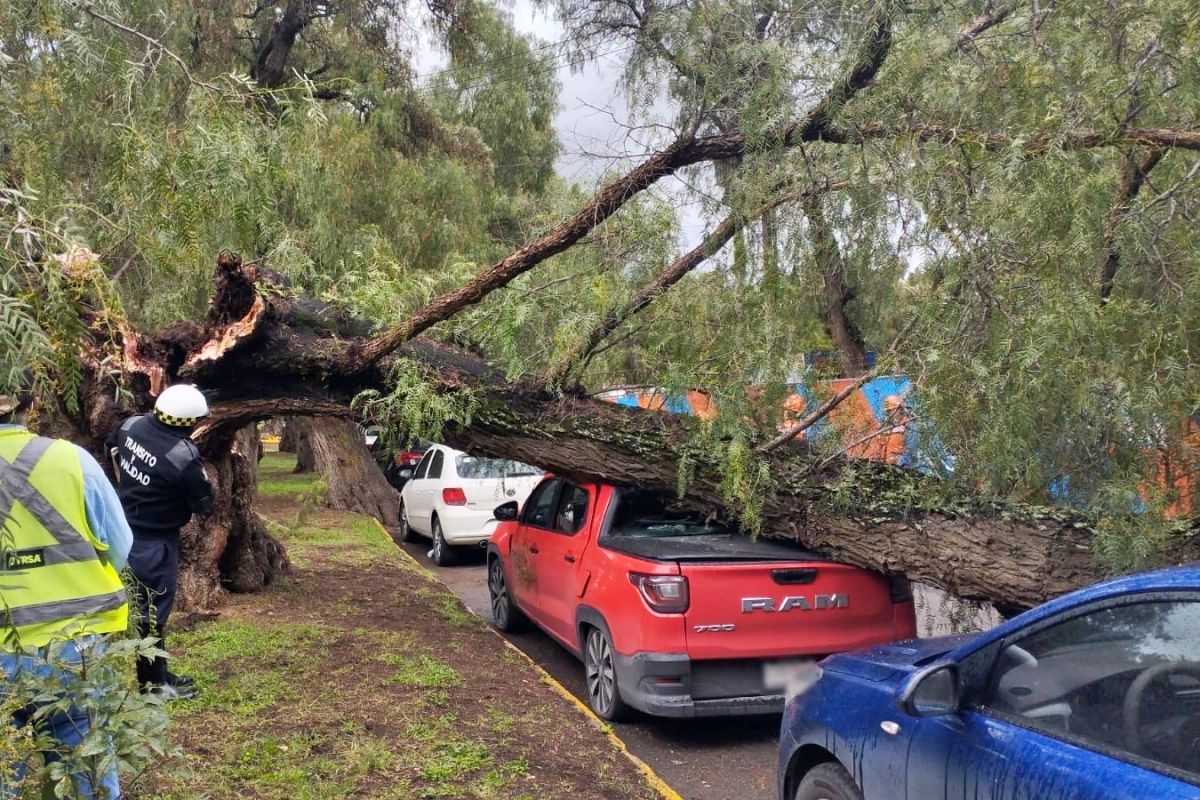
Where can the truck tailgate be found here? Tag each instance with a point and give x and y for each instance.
(783, 609)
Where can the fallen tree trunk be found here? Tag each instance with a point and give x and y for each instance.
(273, 354)
(1014, 561)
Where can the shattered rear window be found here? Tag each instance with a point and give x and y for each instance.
(643, 513)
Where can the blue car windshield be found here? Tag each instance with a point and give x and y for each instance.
(645, 514)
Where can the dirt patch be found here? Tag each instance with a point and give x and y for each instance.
(362, 676)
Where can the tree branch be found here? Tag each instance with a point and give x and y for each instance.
(684, 152)
(89, 9)
(835, 401)
(817, 125)
(965, 40)
(1166, 138)
(1133, 177)
(270, 64)
(846, 336)
(716, 239)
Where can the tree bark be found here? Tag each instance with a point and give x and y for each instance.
(1133, 176)
(270, 62)
(836, 292)
(965, 40)
(302, 438)
(230, 548)
(354, 482)
(266, 354)
(288, 436)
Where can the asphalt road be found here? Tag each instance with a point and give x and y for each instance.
(712, 759)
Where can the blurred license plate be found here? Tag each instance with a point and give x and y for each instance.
(778, 675)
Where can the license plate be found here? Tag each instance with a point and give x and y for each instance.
(777, 675)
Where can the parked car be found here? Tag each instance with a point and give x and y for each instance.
(400, 464)
(450, 498)
(1094, 695)
(672, 613)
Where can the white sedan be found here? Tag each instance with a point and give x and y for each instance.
(451, 495)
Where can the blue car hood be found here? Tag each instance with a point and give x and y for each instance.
(886, 661)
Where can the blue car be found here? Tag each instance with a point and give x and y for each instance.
(1094, 696)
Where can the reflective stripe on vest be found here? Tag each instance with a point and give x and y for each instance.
(71, 546)
(65, 587)
(50, 612)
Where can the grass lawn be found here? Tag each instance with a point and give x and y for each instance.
(359, 675)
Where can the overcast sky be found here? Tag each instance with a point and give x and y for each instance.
(593, 120)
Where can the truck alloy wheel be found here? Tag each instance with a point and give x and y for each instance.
(601, 673)
(505, 616)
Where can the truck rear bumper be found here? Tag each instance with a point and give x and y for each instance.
(672, 685)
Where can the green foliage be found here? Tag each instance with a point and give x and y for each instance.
(159, 172)
(994, 256)
(128, 730)
(747, 482)
(375, 195)
(42, 329)
(503, 91)
(414, 406)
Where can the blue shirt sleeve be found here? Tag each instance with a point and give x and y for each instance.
(104, 512)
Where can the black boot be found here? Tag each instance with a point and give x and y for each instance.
(179, 681)
(150, 673)
(166, 685)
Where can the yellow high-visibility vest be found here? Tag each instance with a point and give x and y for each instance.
(55, 578)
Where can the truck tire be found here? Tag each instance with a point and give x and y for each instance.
(505, 614)
(600, 675)
(828, 781)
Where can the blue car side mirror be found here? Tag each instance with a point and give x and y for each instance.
(931, 692)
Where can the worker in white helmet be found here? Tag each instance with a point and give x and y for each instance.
(162, 482)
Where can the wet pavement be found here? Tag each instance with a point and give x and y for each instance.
(710, 759)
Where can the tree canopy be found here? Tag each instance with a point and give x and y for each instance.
(996, 199)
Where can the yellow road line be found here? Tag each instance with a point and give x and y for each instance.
(651, 777)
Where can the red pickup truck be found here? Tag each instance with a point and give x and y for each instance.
(674, 614)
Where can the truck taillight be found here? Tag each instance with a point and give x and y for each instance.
(901, 589)
(454, 497)
(666, 594)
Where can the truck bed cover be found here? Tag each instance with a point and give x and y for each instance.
(708, 547)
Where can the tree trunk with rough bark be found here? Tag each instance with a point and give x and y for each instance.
(287, 435)
(267, 354)
(837, 292)
(229, 548)
(302, 439)
(354, 481)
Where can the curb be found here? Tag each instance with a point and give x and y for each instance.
(648, 774)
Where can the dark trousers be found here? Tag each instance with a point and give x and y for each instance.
(155, 563)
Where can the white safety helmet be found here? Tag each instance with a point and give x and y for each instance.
(181, 405)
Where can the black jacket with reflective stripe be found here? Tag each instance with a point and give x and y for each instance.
(162, 479)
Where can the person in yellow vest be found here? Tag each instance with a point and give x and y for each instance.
(63, 542)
